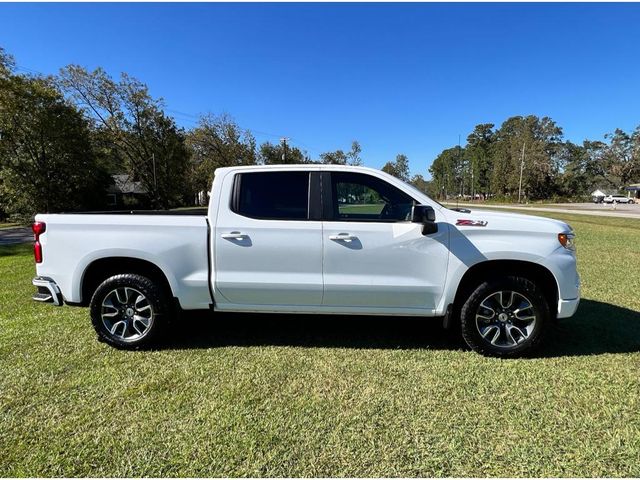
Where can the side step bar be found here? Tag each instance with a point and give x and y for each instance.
(48, 291)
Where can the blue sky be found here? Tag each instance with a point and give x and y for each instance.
(400, 78)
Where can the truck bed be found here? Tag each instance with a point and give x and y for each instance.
(175, 241)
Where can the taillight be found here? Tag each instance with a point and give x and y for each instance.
(38, 229)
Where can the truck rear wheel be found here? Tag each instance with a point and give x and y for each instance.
(128, 310)
(505, 317)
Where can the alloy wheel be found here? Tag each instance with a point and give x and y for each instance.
(505, 318)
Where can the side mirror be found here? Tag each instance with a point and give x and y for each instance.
(425, 215)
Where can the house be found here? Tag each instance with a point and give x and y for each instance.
(125, 192)
(634, 190)
(598, 195)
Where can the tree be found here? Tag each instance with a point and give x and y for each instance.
(271, 154)
(584, 169)
(623, 157)
(339, 157)
(542, 141)
(47, 161)
(217, 142)
(478, 153)
(139, 137)
(446, 171)
(398, 168)
(7, 63)
(420, 183)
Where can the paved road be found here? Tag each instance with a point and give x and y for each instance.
(601, 210)
(12, 236)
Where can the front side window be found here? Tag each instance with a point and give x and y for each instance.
(360, 197)
(273, 195)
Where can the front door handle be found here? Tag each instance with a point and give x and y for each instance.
(233, 236)
(343, 237)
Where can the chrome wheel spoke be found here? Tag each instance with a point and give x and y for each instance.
(488, 313)
(139, 321)
(134, 324)
(117, 325)
(509, 336)
(522, 334)
(503, 296)
(491, 333)
(121, 295)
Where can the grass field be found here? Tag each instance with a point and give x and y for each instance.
(9, 225)
(326, 396)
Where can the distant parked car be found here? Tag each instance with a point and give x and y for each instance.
(617, 199)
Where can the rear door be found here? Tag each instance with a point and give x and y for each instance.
(375, 259)
(268, 240)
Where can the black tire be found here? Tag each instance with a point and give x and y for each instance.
(472, 319)
(106, 301)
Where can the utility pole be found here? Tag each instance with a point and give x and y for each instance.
(155, 179)
(521, 169)
(283, 140)
(461, 176)
(473, 185)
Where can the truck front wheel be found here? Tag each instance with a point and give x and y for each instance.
(127, 311)
(505, 317)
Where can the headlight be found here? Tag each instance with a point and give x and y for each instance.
(568, 241)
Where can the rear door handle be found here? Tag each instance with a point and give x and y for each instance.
(343, 237)
(233, 236)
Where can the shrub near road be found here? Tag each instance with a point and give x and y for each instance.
(326, 396)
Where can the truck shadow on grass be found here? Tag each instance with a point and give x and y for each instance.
(596, 328)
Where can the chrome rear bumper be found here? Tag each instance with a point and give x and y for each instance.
(48, 291)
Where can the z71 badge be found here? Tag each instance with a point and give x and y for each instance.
(471, 223)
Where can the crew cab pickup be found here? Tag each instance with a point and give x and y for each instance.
(312, 239)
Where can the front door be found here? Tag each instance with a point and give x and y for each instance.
(374, 257)
(268, 250)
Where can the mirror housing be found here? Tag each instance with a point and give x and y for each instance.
(422, 214)
(425, 215)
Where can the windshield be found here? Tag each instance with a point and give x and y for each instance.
(422, 193)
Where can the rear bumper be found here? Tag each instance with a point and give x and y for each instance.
(48, 291)
(566, 308)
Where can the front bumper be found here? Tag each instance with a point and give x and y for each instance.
(48, 291)
(566, 308)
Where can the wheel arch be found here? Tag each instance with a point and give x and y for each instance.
(535, 272)
(102, 268)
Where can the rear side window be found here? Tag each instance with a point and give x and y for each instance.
(272, 195)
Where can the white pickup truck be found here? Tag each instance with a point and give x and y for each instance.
(312, 239)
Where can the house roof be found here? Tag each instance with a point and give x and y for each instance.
(122, 183)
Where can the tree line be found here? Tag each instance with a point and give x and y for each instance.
(527, 157)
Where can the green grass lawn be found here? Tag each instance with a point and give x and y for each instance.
(274, 395)
(361, 208)
(9, 225)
